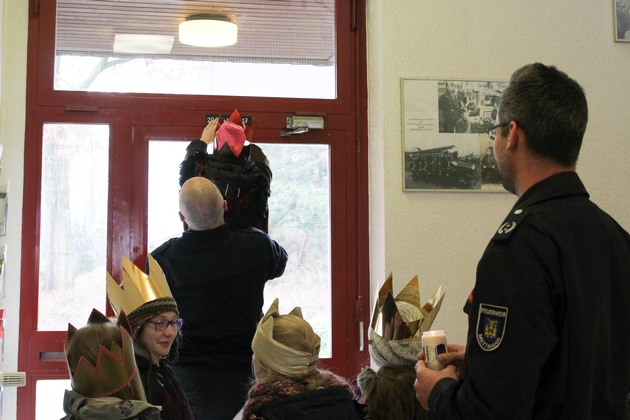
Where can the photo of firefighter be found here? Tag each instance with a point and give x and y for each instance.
(448, 134)
(468, 106)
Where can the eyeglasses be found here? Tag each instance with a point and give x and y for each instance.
(163, 325)
(492, 131)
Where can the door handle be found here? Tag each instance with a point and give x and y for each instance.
(298, 130)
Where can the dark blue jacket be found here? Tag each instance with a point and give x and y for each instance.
(217, 278)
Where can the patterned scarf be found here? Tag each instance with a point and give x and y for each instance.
(278, 388)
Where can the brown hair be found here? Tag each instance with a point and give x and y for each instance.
(389, 393)
(87, 341)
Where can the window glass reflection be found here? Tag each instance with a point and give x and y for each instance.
(73, 228)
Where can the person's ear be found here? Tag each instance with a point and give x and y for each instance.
(225, 206)
(181, 217)
(514, 136)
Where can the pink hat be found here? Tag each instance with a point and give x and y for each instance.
(232, 134)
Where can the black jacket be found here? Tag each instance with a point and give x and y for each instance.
(549, 317)
(162, 389)
(244, 181)
(217, 278)
(324, 404)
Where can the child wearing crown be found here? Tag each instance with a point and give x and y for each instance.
(397, 324)
(239, 168)
(103, 373)
(155, 325)
(287, 380)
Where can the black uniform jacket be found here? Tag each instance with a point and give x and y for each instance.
(549, 317)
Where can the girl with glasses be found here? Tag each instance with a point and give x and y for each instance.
(155, 324)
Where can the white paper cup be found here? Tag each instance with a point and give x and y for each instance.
(433, 344)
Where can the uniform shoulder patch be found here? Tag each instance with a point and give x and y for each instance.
(509, 225)
(491, 324)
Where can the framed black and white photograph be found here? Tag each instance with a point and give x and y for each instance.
(622, 20)
(446, 144)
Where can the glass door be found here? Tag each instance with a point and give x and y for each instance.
(108, 128)
(299, 219)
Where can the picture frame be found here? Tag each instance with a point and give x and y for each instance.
(446, 146)
(622, 20)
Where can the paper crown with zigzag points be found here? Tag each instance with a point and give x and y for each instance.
(398, 323)
(115, 366)
(141, 296)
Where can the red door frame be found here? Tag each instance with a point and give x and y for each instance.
(123, 111)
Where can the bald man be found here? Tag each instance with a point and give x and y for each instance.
(217, 276)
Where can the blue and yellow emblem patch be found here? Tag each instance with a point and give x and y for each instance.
(491, 323)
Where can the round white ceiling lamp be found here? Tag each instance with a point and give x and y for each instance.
(207, 30)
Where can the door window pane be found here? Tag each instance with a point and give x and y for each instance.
(299, 219)
(49, 399)
(163, 214)
(284, 49)
(73, 229)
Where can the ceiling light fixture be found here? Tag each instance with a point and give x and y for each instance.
(208, 31)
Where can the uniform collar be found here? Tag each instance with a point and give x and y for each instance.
(559, 185)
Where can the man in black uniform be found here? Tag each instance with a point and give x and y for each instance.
(217, 276)
(548, 319)
(450, 110)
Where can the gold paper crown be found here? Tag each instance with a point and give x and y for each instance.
(277, 356)
(115, 367)
(141, 296)
(398, 323)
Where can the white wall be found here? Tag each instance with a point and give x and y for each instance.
(439, 235)
(13, 21)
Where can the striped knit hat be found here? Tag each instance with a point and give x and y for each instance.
(151, 309)
(141, 296)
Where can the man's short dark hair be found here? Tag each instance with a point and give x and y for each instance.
(551, 109)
